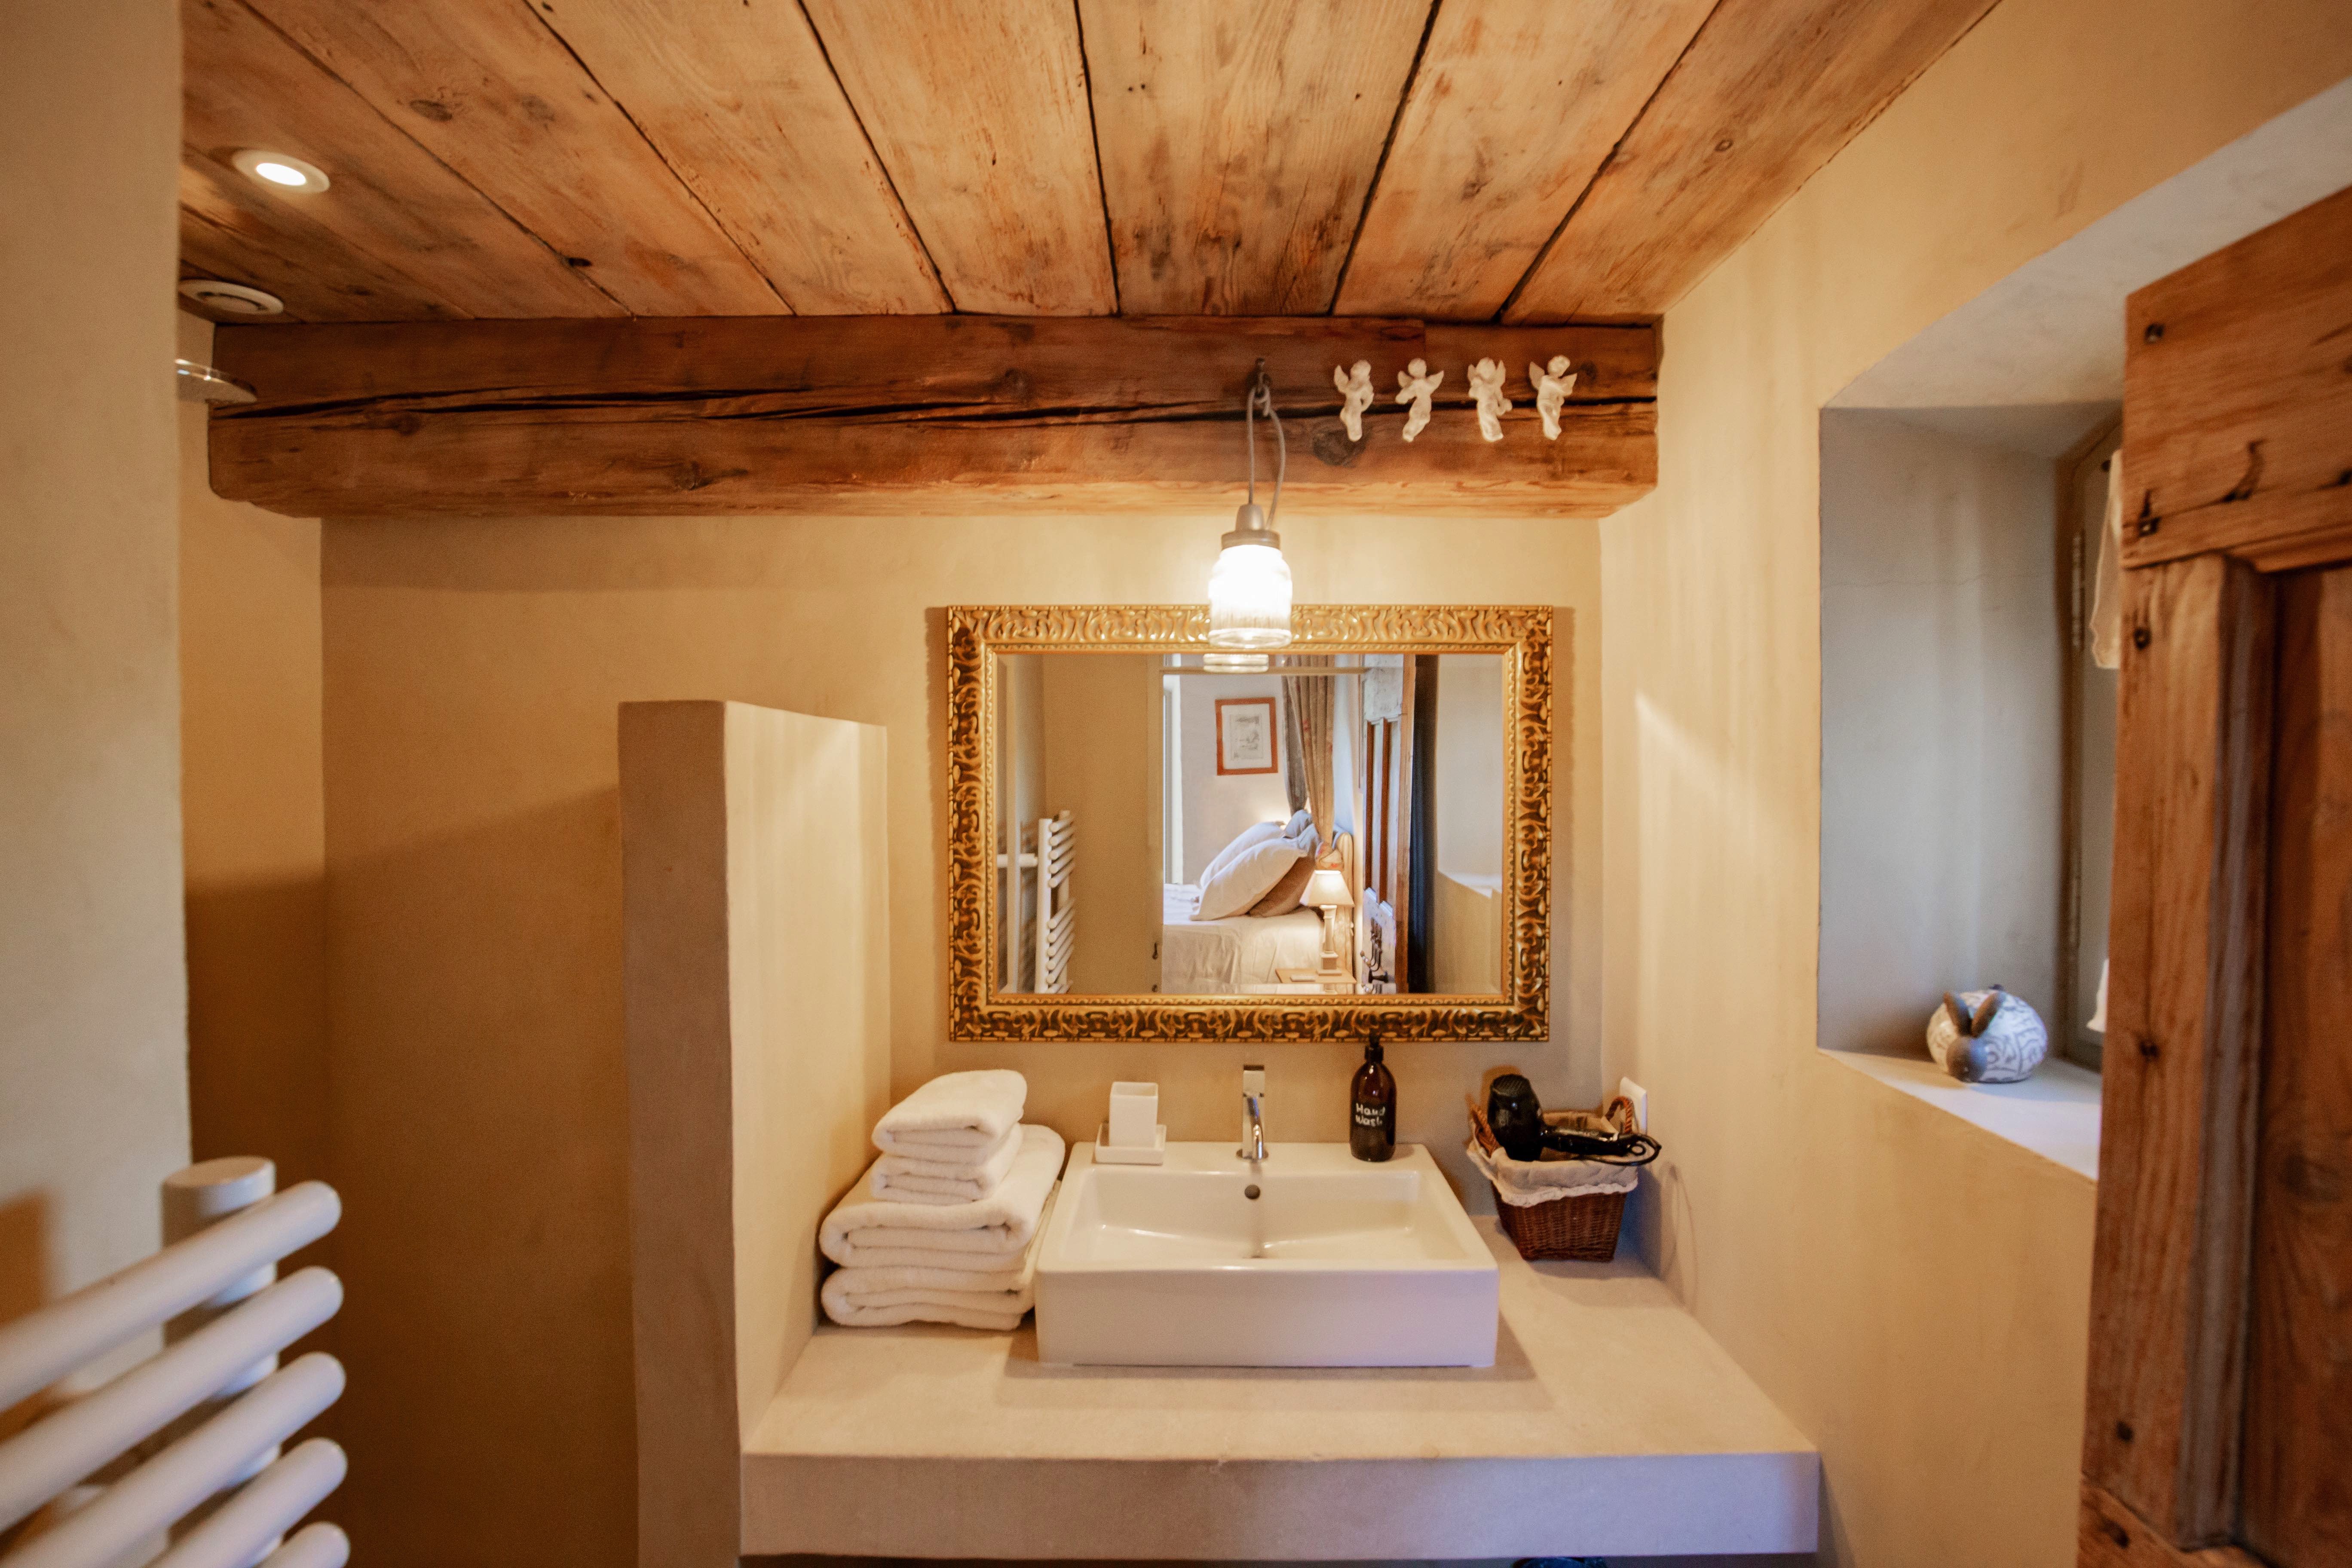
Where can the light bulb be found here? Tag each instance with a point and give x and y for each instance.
(1249, 597)
(1234, 663)
(280, 171)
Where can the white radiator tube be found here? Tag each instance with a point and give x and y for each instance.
(60, 1449)
(43, 1346)
(198, 1198)
(194, 1199)
(187, 1472)
(242, 1528)
(201, 1196)
(313, 1546)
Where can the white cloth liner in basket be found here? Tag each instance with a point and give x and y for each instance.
(1523, 1185)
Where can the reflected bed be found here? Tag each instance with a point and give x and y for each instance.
(1218, 958)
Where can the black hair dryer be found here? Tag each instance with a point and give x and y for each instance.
(1515, 1117)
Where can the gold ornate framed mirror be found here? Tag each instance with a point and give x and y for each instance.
(1150, 838)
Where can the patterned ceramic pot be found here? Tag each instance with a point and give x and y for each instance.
(1987, 1036)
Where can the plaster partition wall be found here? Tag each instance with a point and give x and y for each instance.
(93, 1096)
(1911, 1290)
(253, 806)
(474, 672)
(756, 889)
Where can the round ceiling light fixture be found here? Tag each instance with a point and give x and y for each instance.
(281, 171)
(230, 298)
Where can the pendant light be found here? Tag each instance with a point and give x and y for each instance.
(1249, 588)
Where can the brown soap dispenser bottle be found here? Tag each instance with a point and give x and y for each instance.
(1371, 1108)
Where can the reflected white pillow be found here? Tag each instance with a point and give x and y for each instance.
(1249, 837)
(1246, 878)
(1299, 820)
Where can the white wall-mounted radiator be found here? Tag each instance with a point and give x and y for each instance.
(1039, 925)
(184, 1447)
(1058, 914)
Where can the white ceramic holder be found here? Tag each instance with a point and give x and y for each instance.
(1134, 1112)
(1109, 1153)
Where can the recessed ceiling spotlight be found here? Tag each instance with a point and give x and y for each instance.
(281, 171)
(231, 299)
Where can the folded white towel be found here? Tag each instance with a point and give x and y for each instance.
(877, 1298)
(955, 1117)
(863, 1232)
(906, 1178)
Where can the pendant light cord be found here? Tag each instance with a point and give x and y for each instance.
(1260, 399)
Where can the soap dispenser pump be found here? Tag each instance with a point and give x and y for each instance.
(1371, 1112)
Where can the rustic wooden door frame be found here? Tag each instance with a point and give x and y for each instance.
(2238, 399)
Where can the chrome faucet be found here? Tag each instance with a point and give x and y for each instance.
(1252, 1147)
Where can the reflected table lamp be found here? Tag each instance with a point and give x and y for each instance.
(1327, 891)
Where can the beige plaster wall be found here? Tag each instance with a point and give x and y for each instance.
(473, 674)
(1102, 766)
(253, 803)
(1219, 807)
(1942, 851)
(93, 1094)
(1912, 1291)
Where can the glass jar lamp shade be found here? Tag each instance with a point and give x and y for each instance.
(1249, 588)
(1234, 663)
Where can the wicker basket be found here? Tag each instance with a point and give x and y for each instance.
(1582, 1227)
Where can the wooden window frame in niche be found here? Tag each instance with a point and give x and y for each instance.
(1520, 635)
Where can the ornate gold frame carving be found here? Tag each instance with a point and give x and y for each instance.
(978, 1012)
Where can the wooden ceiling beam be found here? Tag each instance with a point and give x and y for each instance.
(900, 413)
(495, 96)
(979, 112)
(1238, 144)
(1511, 112)
(740, 103)
(1767, 93)
(397, 236)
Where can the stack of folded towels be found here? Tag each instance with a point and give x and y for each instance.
(944, 1227)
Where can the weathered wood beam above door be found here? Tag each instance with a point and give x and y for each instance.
(2238, 370)
(899, 414)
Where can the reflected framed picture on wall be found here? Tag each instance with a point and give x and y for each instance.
(1246, 743)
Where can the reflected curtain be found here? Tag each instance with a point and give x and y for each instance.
(1307, 701)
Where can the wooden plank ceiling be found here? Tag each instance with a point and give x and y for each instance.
(1524, 161)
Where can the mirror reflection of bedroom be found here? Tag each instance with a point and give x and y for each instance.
(1330, 825)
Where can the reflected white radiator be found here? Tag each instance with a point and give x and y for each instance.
(1058, 914)
(187, 1442)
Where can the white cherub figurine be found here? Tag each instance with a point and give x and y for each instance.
(1551, 390)
(1487, 386)
(1356, 389)
(1415, 384)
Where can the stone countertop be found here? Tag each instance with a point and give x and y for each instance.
(1611, 1422)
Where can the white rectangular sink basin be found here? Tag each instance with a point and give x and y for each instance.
(1334, 1262)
